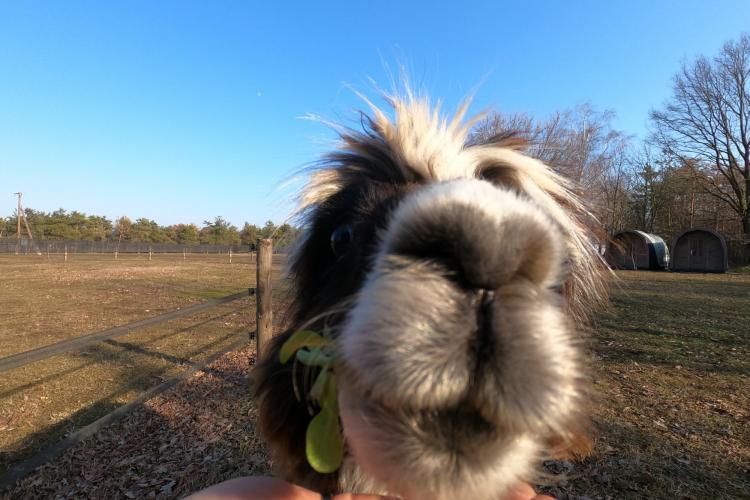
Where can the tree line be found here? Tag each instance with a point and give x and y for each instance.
(692, 170)
(77, 226)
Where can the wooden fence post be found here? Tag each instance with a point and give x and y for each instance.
(263, 309)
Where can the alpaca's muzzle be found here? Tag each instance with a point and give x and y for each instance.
(457, 343)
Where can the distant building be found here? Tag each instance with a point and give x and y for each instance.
(700, 250)
(633, 249)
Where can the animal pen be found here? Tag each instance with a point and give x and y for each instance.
(261, 335)
(633, 250)
(700, 250)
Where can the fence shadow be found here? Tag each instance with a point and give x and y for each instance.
(131, 379)
(635, 463)
(198, 433)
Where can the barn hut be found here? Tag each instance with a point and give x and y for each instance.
(633, 249)
(700, 250)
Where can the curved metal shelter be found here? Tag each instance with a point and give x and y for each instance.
(701, 250)
(633, 249)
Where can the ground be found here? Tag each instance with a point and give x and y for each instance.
(48, 300)
(670, 370)
(199, 433)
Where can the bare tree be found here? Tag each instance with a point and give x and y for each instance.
(615, 196)
(705, 124)
(581, 145)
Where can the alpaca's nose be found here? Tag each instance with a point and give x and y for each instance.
(484, 236)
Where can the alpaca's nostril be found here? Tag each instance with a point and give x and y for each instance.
(526, 364)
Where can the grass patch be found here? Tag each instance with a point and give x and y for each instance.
(671, 371)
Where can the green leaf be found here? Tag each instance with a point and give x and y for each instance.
(324, 444)
(298, 340)
(316, 357)
(330, 399)
(318, 388)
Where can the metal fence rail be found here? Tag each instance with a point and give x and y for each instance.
(26, 357)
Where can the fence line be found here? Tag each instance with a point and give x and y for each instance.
(26, 246)
(19, 470)
(40, 353)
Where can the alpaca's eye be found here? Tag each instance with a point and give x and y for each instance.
(341, 239)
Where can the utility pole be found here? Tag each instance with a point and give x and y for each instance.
(21, 215)
(18, 216)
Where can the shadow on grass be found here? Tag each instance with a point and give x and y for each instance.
(138, 378)
(701, 326)
(635, 463)
(68, 371)
(164, 356)
(55, 432)
(661, 346)
(166, 451)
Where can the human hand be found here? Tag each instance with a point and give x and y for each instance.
(267, 488)
(525, 492)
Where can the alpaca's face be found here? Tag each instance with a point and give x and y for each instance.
(443, 268)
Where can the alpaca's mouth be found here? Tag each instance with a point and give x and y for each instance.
(458, 431)
(428, 448)
(505, 354)
(454, 425)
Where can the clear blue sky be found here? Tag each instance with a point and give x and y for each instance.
(182, 111)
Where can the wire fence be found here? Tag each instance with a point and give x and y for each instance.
(19, 360)
(20, 469)
(26, 246)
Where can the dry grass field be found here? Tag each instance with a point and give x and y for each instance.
(670, 364)
(45, 301)
(671, 371)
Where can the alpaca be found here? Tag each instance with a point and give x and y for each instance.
(452, 277)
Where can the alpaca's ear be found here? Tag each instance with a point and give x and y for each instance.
(509, 139)
(576, 445)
